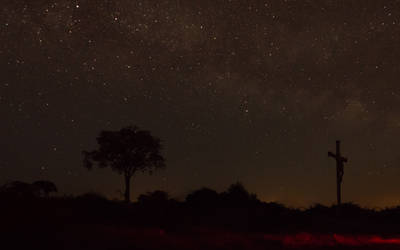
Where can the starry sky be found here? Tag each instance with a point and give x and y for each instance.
(251, 91)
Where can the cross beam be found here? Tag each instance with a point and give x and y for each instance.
(340, 160)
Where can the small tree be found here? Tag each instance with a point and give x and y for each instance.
(19, 189)
(238, 194)
(204, 197)
(44, 188)
(126, 151)
(156, 198)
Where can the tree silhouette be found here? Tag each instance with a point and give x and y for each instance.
(44, 188)
(19, 189)
(204, 197)
(237, 194)
(126, 151)
(157, 197)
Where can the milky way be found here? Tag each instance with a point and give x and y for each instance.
(250, 91)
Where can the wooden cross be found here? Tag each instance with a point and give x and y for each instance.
(340, 160)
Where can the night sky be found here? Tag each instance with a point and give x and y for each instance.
(250, 91)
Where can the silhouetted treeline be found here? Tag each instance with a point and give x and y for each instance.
(19, 189)
(28, 212)
(234, 209)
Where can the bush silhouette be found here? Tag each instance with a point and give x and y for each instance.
(203, 197)
(238, 195)
(44, 188)
(155, 198)
(19, 189)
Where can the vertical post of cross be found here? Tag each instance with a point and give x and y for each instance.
(338, 181)
(339, 171)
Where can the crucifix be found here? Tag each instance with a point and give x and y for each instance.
(340, 160)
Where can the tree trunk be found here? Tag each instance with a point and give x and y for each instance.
(127, 188)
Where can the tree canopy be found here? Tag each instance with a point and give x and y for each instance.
(126, 152)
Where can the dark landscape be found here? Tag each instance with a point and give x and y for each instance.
(233, 219)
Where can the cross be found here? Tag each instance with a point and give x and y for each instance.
(340, 160)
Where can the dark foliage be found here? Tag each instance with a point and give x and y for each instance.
(202, 198)
(45, 187)
(80, 222)
(126, 152)
(155, 198)
(19, 189)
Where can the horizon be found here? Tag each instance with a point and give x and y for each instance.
(182, 197)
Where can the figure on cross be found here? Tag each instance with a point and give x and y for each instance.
(340, 160)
